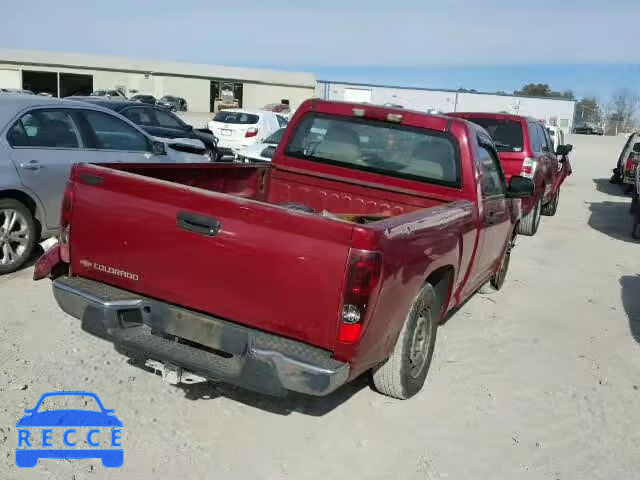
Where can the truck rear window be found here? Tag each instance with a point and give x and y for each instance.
(379, 147)
(506, 134)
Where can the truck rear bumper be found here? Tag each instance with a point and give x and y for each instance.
(205, 345)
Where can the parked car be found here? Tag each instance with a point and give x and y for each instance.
(150, 99)
(174, 104)
(557, 136)
(261, 151)
(623, 173)
(281, 108)
(587, 128)
(115, 94)
(352, 252)
(16, 90)
(159, 122)
(526, 149)
(635, 230)
(40, 139)
(237, 129)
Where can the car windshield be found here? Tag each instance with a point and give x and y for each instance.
(370, 145)
(275, 137)
(236, 117)
(168, 99)
(506, 134)
(99, 93)
(69, 402)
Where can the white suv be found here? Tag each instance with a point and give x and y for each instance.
(237, 129)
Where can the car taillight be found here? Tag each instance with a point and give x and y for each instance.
(363, 276)
(251, 132)
(65, 222)
(529, 167)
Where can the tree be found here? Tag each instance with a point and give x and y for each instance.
(623, 109)
(588, 110)
(543, 90)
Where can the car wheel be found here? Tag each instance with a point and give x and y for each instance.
(529, 224)
(551, 208)
(18, 235)
(403, 374)
(496, 282)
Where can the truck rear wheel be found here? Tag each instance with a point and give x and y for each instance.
(529, 224)
(404, 373)
(551, 208)
(496, 282)
(18, 235)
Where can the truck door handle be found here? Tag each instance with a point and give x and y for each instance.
(32, 165)
(201, 224)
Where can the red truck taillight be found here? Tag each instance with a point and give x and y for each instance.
(65, 222)
(529, 167)
(363, 277)
(631, 164)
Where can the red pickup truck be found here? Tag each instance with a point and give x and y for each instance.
(341, 257)
(526, 149)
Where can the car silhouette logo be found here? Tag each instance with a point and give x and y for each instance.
(103, 430)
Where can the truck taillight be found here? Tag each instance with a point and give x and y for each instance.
(363, 277)
(251, 132)
(631, 163)
(65, 222)
(529, 167)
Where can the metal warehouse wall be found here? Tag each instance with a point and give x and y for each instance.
(10, 78)
(445, 101)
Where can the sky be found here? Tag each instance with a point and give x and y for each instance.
(589, 46)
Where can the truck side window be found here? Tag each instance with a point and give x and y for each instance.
(547, 144)
(492, 180)
(534, 138)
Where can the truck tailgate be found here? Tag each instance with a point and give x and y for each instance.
(261, 265)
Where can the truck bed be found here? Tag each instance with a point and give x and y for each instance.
(265, 266)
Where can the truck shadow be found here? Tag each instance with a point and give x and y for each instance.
(603, 185)
(293, 402)
(631, 301)
(612, 219)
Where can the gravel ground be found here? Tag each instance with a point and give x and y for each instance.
(539, 381)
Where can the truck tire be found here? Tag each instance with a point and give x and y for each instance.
(403, 374)
(18, 235)
(550, 209)
(496, 282)
(529, 224)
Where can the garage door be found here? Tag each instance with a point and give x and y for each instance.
(358, 95)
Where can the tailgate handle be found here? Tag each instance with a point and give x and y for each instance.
(199, 223)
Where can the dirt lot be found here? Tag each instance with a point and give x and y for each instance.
(540, 381)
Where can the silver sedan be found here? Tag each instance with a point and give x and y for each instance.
(40, 139)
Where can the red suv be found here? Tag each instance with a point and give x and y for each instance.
(525, 149)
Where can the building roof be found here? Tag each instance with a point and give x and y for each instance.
(156, 67)
(439, 90)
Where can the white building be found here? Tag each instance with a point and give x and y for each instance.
(65, 74)
(552, 111)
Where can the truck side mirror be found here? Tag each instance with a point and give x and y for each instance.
(564, 150)
(158, 148)
(520, 187)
